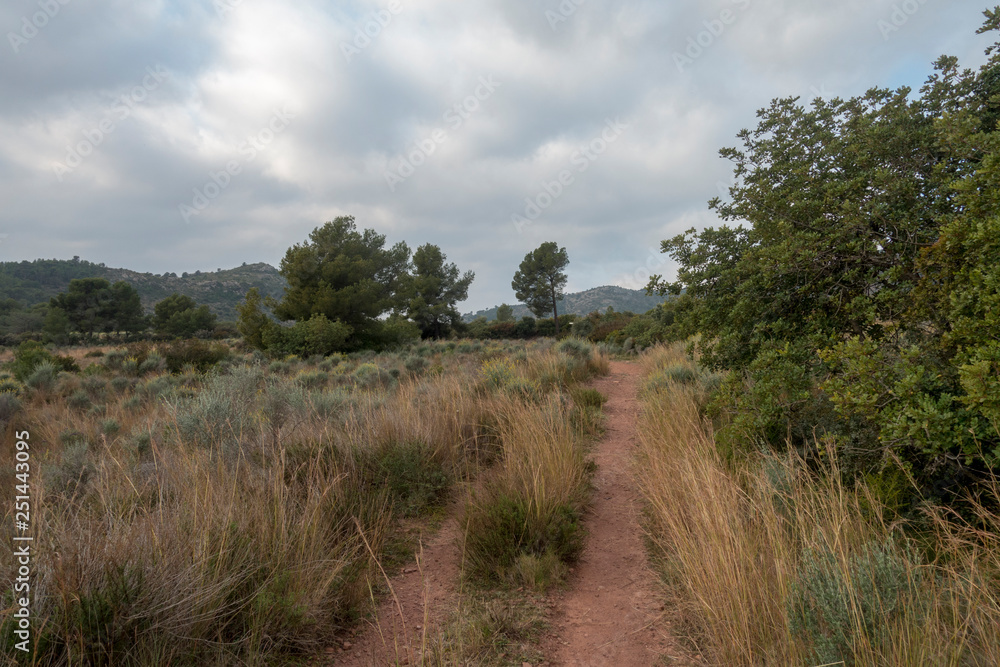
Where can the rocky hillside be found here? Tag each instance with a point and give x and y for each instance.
(586, 302)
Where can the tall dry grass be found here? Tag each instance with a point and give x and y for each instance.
(774, 563)
(235, 517)
(524, 523)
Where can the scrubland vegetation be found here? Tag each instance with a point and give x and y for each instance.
(773, 560)
(238, 508)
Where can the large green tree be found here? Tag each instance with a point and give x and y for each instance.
(94, 305)
(345, 275)
(855, 294)
(179, 315)
(540, 279)
(428, 295)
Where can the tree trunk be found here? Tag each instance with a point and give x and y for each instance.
(555, 313)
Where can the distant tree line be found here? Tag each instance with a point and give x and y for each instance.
(93, 309)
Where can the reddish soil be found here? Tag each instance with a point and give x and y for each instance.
(611, 613)
(420, 599)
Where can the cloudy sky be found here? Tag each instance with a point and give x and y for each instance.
(178, 135)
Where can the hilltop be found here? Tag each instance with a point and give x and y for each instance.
(38, 281)
(583, 303)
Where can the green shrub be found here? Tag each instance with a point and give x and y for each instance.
(576, 348)
(121, 384)
(71, 475)
(502, 527)
(832, 601)
(110, 427)
(328, 404)
(80, 400)
(197, 353)
(153, 363)
(588, 398)
(31, 354)
(312, 379)
(415, 478)
(369, 374)
(10, 406)
(10, 385)
(498, 373)
(94, 385)
(415, 364)
(43, 377)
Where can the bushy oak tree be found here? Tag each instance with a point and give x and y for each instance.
(856, 295)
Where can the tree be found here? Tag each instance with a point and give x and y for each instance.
(93, 305)
(252, 321)
(539, 281)
(178, 315)
(429, 294)
(505, 313)
(347, 276)
(856, 297)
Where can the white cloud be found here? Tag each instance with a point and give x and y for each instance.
(354, 116)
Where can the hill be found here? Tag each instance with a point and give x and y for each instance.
(38, 281)
(583, 303)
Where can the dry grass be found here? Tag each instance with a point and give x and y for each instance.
(772, 563)
(222, 518)
(241, 516)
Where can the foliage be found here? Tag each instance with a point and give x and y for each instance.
(858, 297)
(197, 353)
(831, 602)
(178, 315)
(430, 293)
(347, 276)
(540, 279)
(30, 354)
(505, 313)
(94, 305)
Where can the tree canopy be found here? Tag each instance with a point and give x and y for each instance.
(856, 296)
(428, 295)
(94, 305)
(345, 275)
(539, 281)
(179, 315)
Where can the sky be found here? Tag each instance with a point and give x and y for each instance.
(172, 136)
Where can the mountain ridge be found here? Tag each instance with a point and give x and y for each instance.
(583, 303)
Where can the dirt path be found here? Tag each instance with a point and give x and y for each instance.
(611, 614)
(422, 592)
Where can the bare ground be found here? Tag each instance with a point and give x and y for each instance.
(611, 613)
